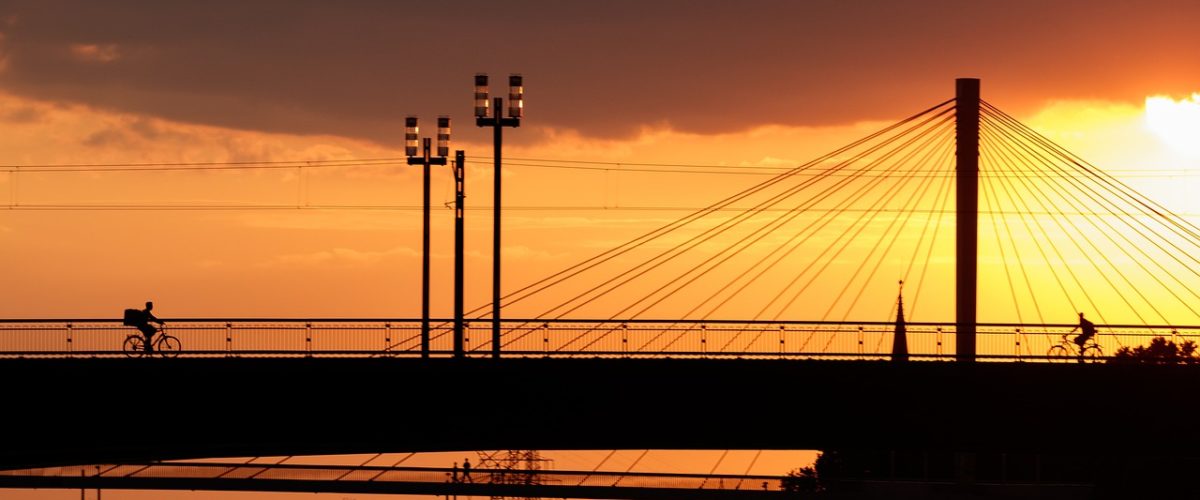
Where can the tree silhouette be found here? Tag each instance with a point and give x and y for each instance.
(833, 467)
(802, 480)
(1161, 351)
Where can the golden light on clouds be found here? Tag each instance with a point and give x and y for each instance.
(1176, 123)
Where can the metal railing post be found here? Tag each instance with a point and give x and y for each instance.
(308, 339)
(1017, 338)
(782, 335)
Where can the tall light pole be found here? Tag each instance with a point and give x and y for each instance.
(484, 118)
(426, 159)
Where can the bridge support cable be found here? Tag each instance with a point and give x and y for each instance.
(712, 471)
(631, 466)
(1032, 236)
(745, 216)
(597, 467)
(844, 240)
(998, 221)
(1140, 215)
(1110, 183)
(1135, 218)
(571, 271)
(905, 212)
(728, 252)
(852, 228)
(1071, 198)
(1067, 228)
(1077, 185)
(646, 266)
(757, 454)
(863, 262)
(852, 235)
(795, 242)
(395, 464)
(1023, 207)
(841, 244)
(941, 212)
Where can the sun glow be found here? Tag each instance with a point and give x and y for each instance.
(1176, 123)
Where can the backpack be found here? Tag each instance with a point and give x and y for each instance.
(134, 317)
(1089, 328)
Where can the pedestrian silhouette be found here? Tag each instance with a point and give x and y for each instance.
(466, 477)
(141, 319)
(454, 473)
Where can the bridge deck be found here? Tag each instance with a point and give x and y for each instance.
(64, 411)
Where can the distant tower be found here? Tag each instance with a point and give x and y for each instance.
(514, 467)
(900, 339)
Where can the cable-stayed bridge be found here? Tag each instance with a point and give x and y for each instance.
(1036, 235)
(564, 338)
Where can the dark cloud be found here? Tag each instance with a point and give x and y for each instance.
(603, 68)
(21, 114)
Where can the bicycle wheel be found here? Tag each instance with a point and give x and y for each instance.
(134, 346)
(168, 346)
(1059, 354)
(1093, 354)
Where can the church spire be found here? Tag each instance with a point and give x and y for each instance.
(900, 339)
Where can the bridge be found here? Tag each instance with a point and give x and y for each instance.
(564, 338)
(1058, 234)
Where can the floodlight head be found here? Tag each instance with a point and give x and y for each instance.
(516, 96)
(443, 136)
(481, 95)
(410, 136)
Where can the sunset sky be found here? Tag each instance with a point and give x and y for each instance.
(616, 92)
(759, 84)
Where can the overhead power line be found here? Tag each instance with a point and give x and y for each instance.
(561, 164)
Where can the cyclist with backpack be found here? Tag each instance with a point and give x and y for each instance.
(141, 319)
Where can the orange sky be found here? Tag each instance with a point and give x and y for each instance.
(760, 84)
(135, 83)
(366, 263)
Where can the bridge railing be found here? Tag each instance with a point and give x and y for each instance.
(561, 338)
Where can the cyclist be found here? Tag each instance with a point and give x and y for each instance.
(1086, 331)
(142, 322)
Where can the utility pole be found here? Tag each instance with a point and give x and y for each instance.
(516, 110)
(966, 108)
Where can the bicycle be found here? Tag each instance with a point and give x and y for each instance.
(1067, 350)
(165, 345)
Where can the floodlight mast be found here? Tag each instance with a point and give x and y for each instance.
(486, 117)
(425, 159)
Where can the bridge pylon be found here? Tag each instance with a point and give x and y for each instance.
(967, 215)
